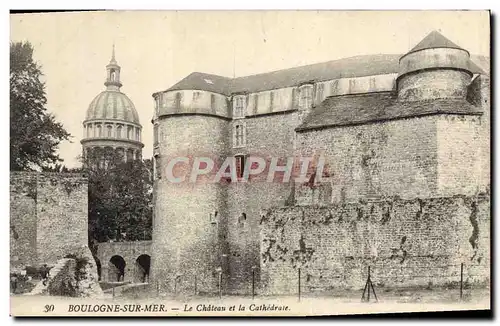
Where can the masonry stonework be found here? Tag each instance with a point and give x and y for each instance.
(384, 159)
(131, 252)
(189, 232)
(406, 243)
(48, 216)
(405, 141)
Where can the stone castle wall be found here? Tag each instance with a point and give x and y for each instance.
(48, 215)
(390, 158)
(188, 236)
(406, 243)
(268, 136)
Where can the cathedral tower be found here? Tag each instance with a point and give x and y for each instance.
(112, 124)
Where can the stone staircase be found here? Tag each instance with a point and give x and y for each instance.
(40, 288)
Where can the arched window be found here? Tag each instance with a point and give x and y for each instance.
(306, 97)
(137, 134)
(89, 130)
(129, 132)
(110, 131)
(113, 75)
(119, 132)
(99, 131)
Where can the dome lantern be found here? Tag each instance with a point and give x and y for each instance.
(113, 74)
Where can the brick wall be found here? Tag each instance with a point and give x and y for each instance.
(48, 214)
(406, 243)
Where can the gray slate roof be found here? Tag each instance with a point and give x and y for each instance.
(435, 40)
(358, 66)
(372, 107)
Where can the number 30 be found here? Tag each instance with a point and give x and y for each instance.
(49, 308)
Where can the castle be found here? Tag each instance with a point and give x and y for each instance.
(410, 128)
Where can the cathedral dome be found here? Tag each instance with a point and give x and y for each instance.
(111, 123)
(112, 105)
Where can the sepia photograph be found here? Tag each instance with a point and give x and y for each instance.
(249, 163)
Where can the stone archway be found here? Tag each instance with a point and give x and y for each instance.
(141, 270)
(116, 269)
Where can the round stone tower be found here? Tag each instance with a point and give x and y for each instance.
(435, 68)
(189, 228)
(112, 125)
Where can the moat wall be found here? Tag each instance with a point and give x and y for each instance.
(418, 242)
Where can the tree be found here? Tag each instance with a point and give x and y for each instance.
(120, 198)
(34, 133)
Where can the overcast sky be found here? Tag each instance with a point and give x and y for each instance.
(158, 48)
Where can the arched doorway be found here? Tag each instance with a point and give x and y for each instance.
(141, 271)
(116, 269)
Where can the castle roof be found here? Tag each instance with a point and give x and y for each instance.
(358, 66)
(355, 109)
(435, 40)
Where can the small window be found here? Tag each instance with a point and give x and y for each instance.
(240, 165)
(156, 167)
(238, 106)
(213, 217)
(256, 103)
(129, 132)
(119, 132)
(196, 96)
(99, 131)
(89, 131)
(239, 137)
(306, 97)
(110, 131)
(242, 219)
(137, 134)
